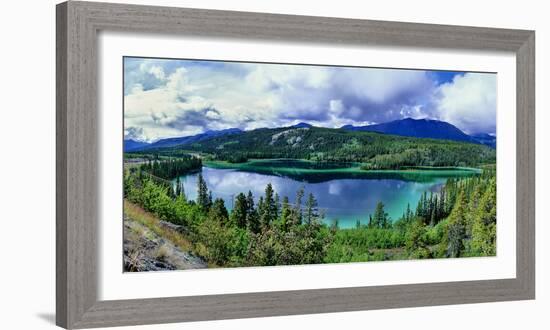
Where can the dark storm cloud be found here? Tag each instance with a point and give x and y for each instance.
(203, 118)
(133, 133)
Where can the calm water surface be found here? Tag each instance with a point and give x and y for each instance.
(347, 197)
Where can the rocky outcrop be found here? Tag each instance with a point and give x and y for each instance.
(146, 251)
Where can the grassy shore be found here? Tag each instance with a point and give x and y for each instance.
(150, 221)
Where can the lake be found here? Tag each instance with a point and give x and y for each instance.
(343, 191)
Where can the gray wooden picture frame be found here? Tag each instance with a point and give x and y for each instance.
(77, 190)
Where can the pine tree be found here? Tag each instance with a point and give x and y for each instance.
(456, 231)
(433, 212)
(252, 217)
(240, 211)
(277, 206)
(285, 214)
(484, 224)
(182, 192)
(441, 206)
(420, 208)
(297, 211)
(312, 213)
(380, 217)
(268, 209)
(408, 214)
(203, 197)
(178, 187)
(218, 211)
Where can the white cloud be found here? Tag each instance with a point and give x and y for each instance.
(178, 98)
(158, 72)
(469, 102)
(383, 85)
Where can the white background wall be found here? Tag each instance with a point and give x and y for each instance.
(27, 163)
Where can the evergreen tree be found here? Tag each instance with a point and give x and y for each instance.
(415, 243)
(441, 206)
(420, 207)
(456, 231)
(297, 211)
(268, 208)
(285, 214)
(240, 211)
(203, 197)
(179, 187)
(218, 211)
(252, 217)
(209, 201)
(312, 213)
(380, 217)
(408, 213)
(277, 206)
(484, 224)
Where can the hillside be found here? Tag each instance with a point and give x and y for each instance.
(422, 128)
(324, 144)
(172, 142)
(133, 145)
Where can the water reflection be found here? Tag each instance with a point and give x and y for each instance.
(347, 198)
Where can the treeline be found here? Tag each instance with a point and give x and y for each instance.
(437, 155)
(459, 220)
(172, 167)
(271, 232)
(376, 151)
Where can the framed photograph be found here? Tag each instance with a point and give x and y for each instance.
(216, 164)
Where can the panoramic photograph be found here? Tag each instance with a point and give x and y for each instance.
(242, 164)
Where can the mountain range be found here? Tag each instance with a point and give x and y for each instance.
(425, 128)
(408, 127)
(132, 145)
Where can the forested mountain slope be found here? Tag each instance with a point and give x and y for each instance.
(375, 150)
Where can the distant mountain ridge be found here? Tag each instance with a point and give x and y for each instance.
(424, 128)
(373, 150)
(486, 139)
(172, 142)
(408, 127)
(421, 128)
(133, 145)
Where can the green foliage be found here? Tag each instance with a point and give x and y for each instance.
(267, 207)
(484, 223)
(204, 199)
(240, 211)
(416, 240)
(312, 213)
(222, 245)
(172, 167)
(380, 218)
(218, 212)
(457, 221)
(252, 217)
(376, 151)
(360, 243)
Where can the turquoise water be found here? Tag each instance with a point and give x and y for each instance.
(345, 195)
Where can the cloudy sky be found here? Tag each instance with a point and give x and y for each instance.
(170, 98)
